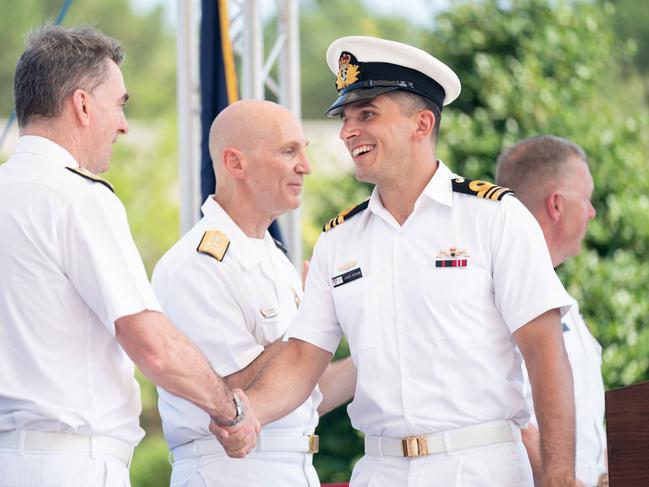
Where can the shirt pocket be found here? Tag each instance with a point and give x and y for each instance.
(269, 329)
(460, 301)
(357, 310)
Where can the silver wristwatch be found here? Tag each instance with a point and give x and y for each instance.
(241, 412)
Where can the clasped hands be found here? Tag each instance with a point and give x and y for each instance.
(240, 439)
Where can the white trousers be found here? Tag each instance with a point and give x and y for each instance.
(255, 470)
(53, 469)
(500, 465)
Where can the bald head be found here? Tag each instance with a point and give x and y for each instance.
(536, 166)
(246, 125)
(258, 150)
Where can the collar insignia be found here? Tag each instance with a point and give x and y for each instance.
(214, 243)
(348, 72)
(296, 297)
(269, 312)
(452, 257)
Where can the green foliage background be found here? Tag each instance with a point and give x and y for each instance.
(573, 68)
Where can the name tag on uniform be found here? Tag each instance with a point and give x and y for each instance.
(346, 277)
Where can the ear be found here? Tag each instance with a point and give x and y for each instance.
(234, 162)
(425, 123)
(80, 100)
(554, 206)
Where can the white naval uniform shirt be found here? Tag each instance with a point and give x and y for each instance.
(69, 269)
(231, 309)
(585, 355)
(433, 346)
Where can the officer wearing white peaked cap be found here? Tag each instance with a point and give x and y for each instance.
(439, 283)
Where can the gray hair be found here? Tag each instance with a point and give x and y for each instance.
(56, 62)
(529, 165)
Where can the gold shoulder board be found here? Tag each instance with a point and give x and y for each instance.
(481, 189)
(84, 173)
(214, 243)
(345, 215)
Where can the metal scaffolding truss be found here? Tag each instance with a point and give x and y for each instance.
(272, 73)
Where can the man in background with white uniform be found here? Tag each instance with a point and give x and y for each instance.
(551, 178)
(230, 287)
(75, 302)
(433, 281)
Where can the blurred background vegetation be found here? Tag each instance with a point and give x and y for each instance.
(578, 69)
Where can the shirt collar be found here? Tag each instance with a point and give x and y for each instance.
(49, 150)
(240, 246)
(439, 189)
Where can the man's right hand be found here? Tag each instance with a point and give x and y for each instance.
(239, 439)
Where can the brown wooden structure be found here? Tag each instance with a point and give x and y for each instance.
(627, 431)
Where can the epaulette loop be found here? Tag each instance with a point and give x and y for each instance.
(345, 215)
(481, 189)
(280, 246)
(84, 173)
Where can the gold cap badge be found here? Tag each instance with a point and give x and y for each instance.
(347, 71)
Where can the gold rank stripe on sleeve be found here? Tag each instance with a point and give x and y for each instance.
(214, 243)
(345, 215)
(84, 173)
(481, 189)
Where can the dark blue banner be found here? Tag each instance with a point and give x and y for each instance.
(218, 79)
(218, 83)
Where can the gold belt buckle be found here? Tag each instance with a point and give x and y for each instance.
(414, 446)
(314, 443)
(603, 480)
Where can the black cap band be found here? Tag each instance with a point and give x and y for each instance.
(361, 81)
(387, 74)
(377, 84)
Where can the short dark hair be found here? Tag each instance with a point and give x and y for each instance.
(56, 62)
(411, 102)
(532, 162)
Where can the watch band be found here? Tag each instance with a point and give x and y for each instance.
(241, 413)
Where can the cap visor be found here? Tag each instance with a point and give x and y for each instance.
(356, 95)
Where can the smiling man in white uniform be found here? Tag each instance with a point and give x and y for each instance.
(552, 179)
(231, 288)
(433, 280)
(75, 303)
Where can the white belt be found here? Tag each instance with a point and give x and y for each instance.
(447, 441)
(22, 440)
(267, 441)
